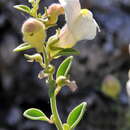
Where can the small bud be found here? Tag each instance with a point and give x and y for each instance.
(111, 87)
(36, 57)
(54, 11)
(61, 81)
(34, 33)
(50, 69)
(42, 75)
(52, 118)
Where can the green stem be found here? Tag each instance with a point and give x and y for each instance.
(57, 120)
(54, 110)
(45, 57)
(52, 95)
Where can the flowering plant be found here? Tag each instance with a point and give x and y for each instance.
(80, 25)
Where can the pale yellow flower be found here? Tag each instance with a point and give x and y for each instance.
(34, 33)
(80, 24)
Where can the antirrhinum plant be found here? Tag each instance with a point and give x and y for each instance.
(80, 25)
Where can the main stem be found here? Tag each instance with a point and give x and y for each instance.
(57, 120)
(54, 110)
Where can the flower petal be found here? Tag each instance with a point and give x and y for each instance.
(66, 38)
(72, 10)
(84, 27)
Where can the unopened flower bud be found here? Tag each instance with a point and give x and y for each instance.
(61, 81)
(36, 57)
(54, 11)
(34, 33)
(55, 8)
(50, 69)
(111, 87)
(42, 75)
(52, 119)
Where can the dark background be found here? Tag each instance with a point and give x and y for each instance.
(107, 54)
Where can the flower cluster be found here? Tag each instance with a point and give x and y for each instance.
(80, 25)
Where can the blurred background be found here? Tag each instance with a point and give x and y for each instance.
(101, 71)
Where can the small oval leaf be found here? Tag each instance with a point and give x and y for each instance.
(22, 47)
(64, 67)
(67, 51)
(76, 115)
(35, 114)
(23, 8)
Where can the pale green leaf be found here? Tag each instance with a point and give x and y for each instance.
(22, 47)
(66, 52)
(64, 67)
(23, 8)
(76, 115)
(35, 114)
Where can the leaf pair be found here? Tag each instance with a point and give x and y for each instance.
(72, 121)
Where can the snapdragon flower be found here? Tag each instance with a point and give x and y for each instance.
(80, 24)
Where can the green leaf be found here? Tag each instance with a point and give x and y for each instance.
(64, 67)
(35, 114)
(23, 8)
(22, 47)
(67, 51)
(76, 115)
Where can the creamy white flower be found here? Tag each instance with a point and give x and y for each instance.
(80, 24)
(128, 87)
